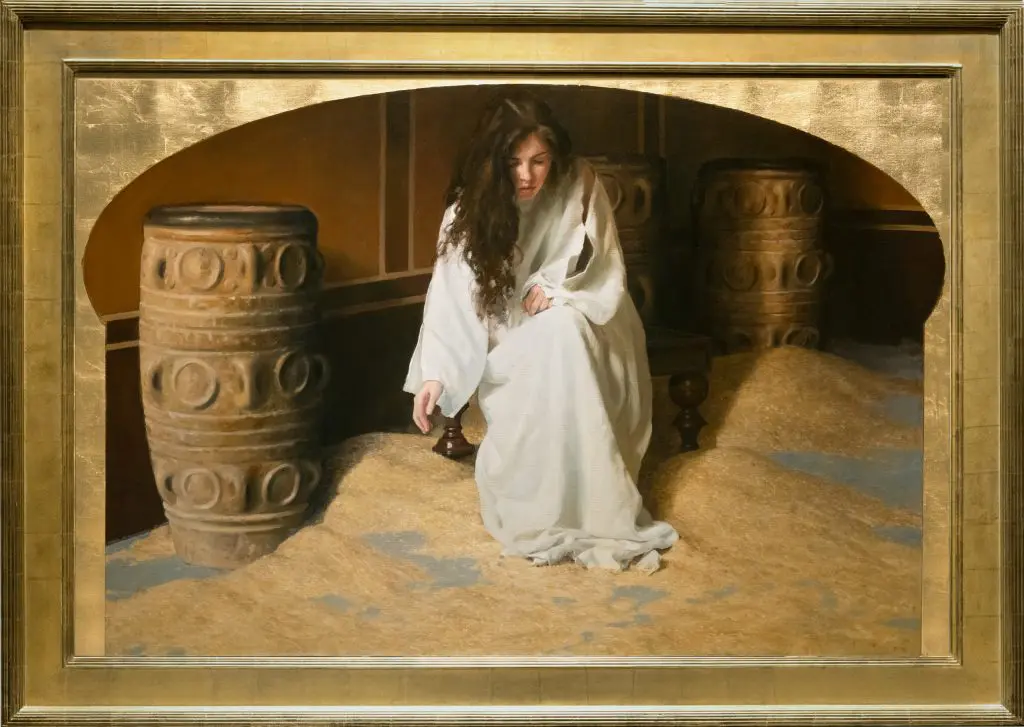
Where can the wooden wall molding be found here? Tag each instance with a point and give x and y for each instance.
(337, 300)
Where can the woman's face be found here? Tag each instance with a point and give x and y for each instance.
(529, 166)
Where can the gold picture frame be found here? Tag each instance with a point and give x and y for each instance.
(971, 670)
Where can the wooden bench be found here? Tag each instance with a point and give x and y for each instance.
(684, 357)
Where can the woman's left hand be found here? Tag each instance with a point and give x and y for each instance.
(536, 301)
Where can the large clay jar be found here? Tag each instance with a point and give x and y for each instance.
(761, 263)
(634, 186)
(232, 376)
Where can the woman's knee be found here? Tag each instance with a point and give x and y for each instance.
(563, 324)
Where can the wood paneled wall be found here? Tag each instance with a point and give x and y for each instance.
(374, 170)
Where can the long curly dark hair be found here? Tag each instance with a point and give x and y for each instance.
(486, 217)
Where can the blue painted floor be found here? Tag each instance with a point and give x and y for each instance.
(893, 476)
(443, 572)
(127, 575)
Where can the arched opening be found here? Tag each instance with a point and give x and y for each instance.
(373, 170)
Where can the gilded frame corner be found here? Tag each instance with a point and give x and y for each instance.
(40, 661)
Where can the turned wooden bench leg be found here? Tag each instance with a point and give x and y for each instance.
(452, 443)
(688, 391)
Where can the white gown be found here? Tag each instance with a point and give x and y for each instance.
(566, 394)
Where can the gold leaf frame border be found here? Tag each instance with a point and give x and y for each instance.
(483, 690)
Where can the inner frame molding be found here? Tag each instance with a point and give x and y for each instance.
(920, 105)
(979, 683)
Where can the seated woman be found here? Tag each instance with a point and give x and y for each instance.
(528, 307)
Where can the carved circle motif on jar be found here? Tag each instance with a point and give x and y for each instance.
(633, 185)
(232, 376)
(761, 264)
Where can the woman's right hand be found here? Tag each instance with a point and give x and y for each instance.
(424, 403)
(536, 301)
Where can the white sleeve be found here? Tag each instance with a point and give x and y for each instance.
(596, 288)
(452, 344)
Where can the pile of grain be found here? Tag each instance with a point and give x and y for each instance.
(794, 399)
(771, 561)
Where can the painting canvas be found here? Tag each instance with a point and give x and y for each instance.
(268, 492)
